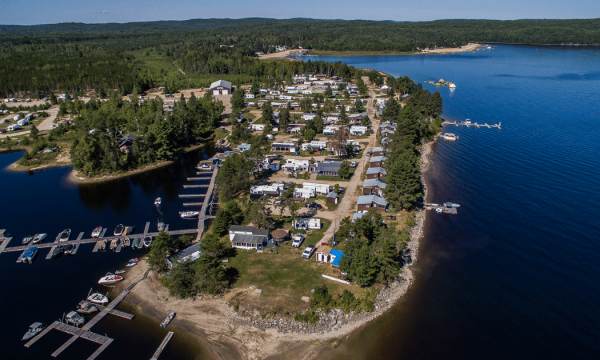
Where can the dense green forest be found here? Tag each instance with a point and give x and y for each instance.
(74, 57)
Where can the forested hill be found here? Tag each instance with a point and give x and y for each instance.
(339, 35)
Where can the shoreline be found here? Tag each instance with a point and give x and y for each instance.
(466, 48)
(226, 334)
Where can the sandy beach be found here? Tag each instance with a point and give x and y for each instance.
(467, 48)
(228, 335)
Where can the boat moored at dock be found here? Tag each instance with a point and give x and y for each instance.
(126, 242)
(74, 318)
(135, 243)
(34, 329)
(110, 279)
(29, 254)
(65, 235)
(450, 136)
(86, 308)
(57, 250)
(114, 243)
(98, 298)
(189, 214)
(119, 230)
(27, 240)
(147, 241)
(38, 238)
(96, 232)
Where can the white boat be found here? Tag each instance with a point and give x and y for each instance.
(147, 241)
(451, 205)
(467, 122)
(167, 320)
(34, 329)
(439, 210)
(97, 231)
(98, 298)
(158, 201)
(65, 235)
(452, 86)
(74, 318)
(450, 136)
(27, 239)
(189, 214)
(38, 238)
(131, 264)
(110, 279)
(204, 167)
(119, 230)
(118, 272)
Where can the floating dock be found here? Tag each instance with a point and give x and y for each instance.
(162, 346)
(469, 124)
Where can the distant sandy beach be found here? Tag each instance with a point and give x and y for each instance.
(467, 48)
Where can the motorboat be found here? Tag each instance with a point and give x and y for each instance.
(114, 244)
(204, 167)
(27, 240)
(68, 249)
(29, 254)
(135, 243)
(57, 250)
(97, 231)
(135, 260)
(74, 318)
(167, 320)
(189, 214)
(467, 122)
(65, 235)
(98, 298)
(158, 201)
(450, 136)
(161, 226)
(119, 230)
(130, 264)
(119, 272)
(451, 205)
(452, 86)
(129, 230)
(110, 279)
(102, 245)
(86, 308)
(34, 329)
(38, 238)
(147, 241)
(439, 210)
(126, 242)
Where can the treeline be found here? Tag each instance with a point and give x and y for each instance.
(99, 127)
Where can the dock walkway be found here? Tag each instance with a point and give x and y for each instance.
(162, 346)
(469, 124)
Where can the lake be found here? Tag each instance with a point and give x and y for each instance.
(515, 274)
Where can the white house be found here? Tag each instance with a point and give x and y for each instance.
(304, 193)
(307, 224)
(247, 237)
(314, 145)
(333, 117)
(274, 189)
(308, 116)
(307, 92)
(258, 127)
(318, 188)
(220, 87)
(358, 130)
(249, 96)
(13, 127)
(330, 129)
(382, 101)
(296, 165)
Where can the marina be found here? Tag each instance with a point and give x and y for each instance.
(468, 123)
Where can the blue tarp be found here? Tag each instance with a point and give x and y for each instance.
(338, 256)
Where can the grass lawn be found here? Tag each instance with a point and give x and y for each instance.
(220, 134)
(249, 116)
(283, 277)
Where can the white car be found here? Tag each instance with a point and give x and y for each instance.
(308, 251)
(353, 164)
(297, 241)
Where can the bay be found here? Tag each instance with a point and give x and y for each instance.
(515, 274)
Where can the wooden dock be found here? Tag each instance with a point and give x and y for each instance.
(193, 204)
(201, 178)
(445, 210)
(195, 186)
(470, 124)
(91, 240)
(207, 199)
(191, 195)
(4, 244)
(84, 332)
(162, 346)
(146, 228)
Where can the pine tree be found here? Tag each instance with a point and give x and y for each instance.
(388, 259)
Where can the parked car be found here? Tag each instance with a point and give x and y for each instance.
(314, 205)
(369, 153)
(297, 240)
(371, 131)
(353, 164)
(277, 201)
(341, 190)
(308, 252)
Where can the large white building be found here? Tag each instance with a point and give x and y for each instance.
(220, 87)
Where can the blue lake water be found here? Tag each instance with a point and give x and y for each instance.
(515, 274)
(45, 202)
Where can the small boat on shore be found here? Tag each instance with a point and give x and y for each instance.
(34, 329)
(110, 279)
(65, 235)
(29, 254)
(96, 232)
(158, 201)
(188, 214)
(135, 243)
(86, 308)
(130, 264)
(126, 242)
(147, 241)
(114, 244)
(119, 230)
(27, 240)
(74, 319)
(135, 260)
(38, 238)
(119, 272)
(98, 298)
(167, 320)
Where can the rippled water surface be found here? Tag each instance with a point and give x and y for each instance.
(515, 274)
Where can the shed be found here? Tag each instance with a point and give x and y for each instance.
(323, 254)
(332, 197)
(220, 87)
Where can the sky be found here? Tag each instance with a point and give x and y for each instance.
(32, 12)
